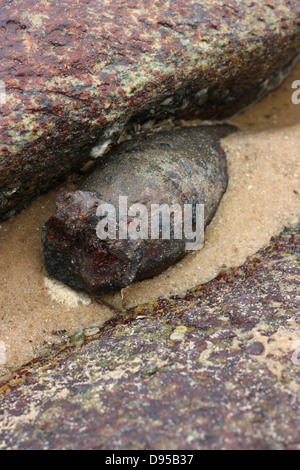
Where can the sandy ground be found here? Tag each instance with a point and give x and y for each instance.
(262, 197)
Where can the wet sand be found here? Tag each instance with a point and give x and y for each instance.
(263, 196)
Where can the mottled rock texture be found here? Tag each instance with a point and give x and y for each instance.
(218, 369)
(168, 169)
(76, 72)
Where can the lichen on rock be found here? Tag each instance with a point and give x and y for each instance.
(217, 369)
(78, 73)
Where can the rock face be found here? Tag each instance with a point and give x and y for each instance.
(75, 74)
(218, 369)
(169, 170)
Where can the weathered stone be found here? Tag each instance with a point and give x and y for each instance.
(184, 166)
(76, 72)
(218, 369)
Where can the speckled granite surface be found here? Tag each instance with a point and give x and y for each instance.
(76, 72)
(218, 369)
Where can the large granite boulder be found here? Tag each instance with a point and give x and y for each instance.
(218, 369)
(72, 74)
